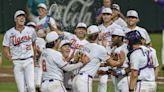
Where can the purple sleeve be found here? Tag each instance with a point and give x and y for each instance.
(98, 11)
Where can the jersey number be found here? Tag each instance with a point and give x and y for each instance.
(44, 65)
(28, 47)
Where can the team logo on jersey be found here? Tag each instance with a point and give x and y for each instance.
(75, 45)
(18, 40)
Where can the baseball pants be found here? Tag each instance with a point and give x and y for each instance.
(103, 81)
(24, 74)
(53, 86)
(146, 86)
(82, 83)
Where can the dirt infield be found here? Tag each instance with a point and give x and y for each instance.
(6, 75)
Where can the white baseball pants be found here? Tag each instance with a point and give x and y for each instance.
(146, 86)
(82, 83)
(53, 86)
(24, 74)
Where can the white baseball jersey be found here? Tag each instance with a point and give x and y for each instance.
(52, 63)
(97, 54)
(41, 24)
(76, 42)
(121, 22)
(40, 43)
(83, 81)
(140, 30)
(20, 43)
(139, 59)
(107, 31)
(120, 80)
(116, 51)
(154, 57)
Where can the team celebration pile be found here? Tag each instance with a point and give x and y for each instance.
(47, 59)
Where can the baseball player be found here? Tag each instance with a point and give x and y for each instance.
(118, 54)
(82, 82)
(132, 20)
(106, 29)
(117, 16)
(142, 78)
(42, 21)
(53, 65)
(18, 47)
(65, 49)
(40, 46)
(77, 40)
(153, 54)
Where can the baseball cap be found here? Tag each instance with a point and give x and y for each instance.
(116, 6)
(51, 36)
(31, 24)
(42, 5)
(92, 29)
(118, 32)
(107, 10)
(19, 12)
(132, 13)
(64, 42)
(83, 25)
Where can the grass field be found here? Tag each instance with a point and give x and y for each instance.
(156, 43)
(11, 87)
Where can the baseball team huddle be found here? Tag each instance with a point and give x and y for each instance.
(46, 59)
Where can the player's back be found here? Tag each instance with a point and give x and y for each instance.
(97, 54)
(52, 63)
(139, 59)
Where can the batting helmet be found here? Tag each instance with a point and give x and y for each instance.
(133, 37)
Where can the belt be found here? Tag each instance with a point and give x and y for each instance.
(122, 76)
(86, 74)
(145, 81)
(23, 58)
(50, 80)
(68, 89)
